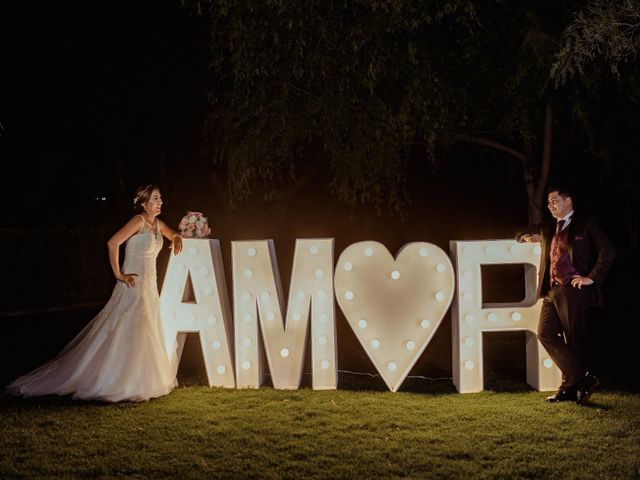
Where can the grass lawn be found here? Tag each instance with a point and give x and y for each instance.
(425, 431)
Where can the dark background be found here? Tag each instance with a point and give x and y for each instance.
(99, 99)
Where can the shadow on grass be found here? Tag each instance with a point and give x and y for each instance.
(7, 400)
(597, 406)
(350, 381)
(500, 384)
(347, 381)
(48, 400)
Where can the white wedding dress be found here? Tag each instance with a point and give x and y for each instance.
(120, 355)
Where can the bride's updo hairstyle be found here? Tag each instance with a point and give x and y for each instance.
(143, 194)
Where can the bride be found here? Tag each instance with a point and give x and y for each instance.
(120, 354)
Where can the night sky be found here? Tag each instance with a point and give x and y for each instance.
(93, 89)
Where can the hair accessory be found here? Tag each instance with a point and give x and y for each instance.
(137, 197)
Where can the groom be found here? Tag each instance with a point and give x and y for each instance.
(576, 256)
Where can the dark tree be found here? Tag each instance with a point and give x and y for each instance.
(360, 88)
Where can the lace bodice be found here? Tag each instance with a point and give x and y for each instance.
(141, 251)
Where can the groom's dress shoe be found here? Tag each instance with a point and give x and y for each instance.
(588, 386)
(563, 396)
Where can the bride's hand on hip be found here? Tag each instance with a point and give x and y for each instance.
(128, 278)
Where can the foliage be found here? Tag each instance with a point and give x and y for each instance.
(607, 28)
(596, 69)
(429, 432)
(352, 86)
(357, 89)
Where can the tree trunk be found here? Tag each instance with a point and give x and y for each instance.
(537, 193)
(535, 186)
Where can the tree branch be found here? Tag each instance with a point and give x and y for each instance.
(485, 142)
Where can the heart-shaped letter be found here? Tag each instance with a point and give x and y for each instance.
(394, 306)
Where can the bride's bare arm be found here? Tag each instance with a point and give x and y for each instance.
(131, 227)
(175, 237)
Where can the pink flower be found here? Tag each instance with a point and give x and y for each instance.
(191, 227)
(188, 234)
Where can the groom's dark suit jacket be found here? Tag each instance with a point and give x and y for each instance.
(590, 251)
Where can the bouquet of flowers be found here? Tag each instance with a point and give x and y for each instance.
(194, 225)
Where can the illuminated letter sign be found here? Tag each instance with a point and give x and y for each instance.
(470, 317)
(394, 306)
(257, 294)
(209, 315)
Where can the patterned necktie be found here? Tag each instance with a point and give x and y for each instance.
(559, 226)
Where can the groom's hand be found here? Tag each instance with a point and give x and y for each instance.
(531, 238)
(579, 282)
